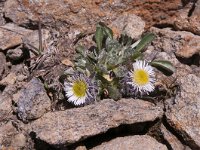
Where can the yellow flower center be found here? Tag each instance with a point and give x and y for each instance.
(79, 88)
(140, 77)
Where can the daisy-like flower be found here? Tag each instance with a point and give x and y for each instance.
(141, 79)
(80, 89)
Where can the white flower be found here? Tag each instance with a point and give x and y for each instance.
(141, 78)
(80, 89)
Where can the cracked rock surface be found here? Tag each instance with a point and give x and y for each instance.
(69, 126)
(184, 114)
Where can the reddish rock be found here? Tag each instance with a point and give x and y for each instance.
(183, 44)
(10, 138)
(85, 14)
(171, 139)
(5, 106)
(128, 24)
(66, 127)
(11, 35)
(188, 19)
(183, 112)
(137, 142)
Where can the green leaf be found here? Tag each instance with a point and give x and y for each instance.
(165, 66)
(80, 50)
(99, 37)
(144, 41)
(136, 55)
(107, 30)
(125, 40)
(114, 92)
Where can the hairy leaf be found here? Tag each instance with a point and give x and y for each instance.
(165, 66)
(144, 41)
(99, 37)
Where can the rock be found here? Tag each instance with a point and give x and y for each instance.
(33, 39)
(6, 130)
(171, 139)
(196, 11)
(9, 79)
(19, 141)
(5, 107)
(137, 142)
(183, 44)
(81, 148)
(188, 19)
(84, 14)
(15, 54)
(10, 138)
(69, 126)
(32, 101)
(183, 112)
(68, 12)
(129, 24)
(2, 20)
(11, 35)
(3, 63)
(163, 81)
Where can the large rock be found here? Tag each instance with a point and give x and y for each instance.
(84, 14)
(32, 101)
(137, 142)
(183, 112)
(183, 44)
(67, 127)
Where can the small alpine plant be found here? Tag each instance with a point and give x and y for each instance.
(113, 68)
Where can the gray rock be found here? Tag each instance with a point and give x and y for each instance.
(171, 139)
(129, 24)
(183, 113)
(73, 125)
(3, 63)
(137, 142)
(32, 101)
(11, 35)
(183, 44)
